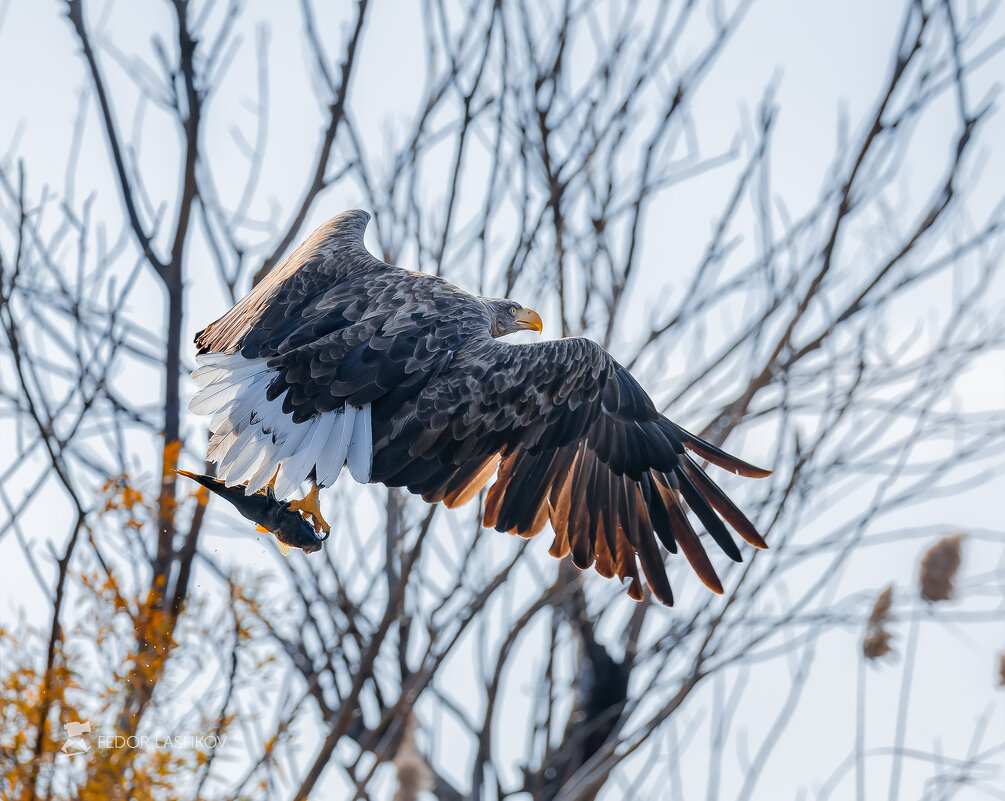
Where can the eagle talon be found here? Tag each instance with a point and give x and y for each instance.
(310, 507)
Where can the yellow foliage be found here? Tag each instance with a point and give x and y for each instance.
(112, 670)
(121, 496)
(102, 696)
(172, 452)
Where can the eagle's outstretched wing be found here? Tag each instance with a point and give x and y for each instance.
(578, 443)
(339, 359)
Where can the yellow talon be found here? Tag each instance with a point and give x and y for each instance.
(310, 507)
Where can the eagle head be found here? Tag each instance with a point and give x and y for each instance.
(507, 316)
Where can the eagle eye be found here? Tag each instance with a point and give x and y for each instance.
(513, 311)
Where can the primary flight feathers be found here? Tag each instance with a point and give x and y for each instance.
(337, 358)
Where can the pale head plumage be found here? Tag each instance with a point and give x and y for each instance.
(507, 317)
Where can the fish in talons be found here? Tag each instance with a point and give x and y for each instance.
(272, 515)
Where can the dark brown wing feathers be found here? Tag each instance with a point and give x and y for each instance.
(685, 536)
(468, 482)
(722, 504)
(717, 456)
(579, 441)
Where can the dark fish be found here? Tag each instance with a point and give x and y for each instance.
(265, 509)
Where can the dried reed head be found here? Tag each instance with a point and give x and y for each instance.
(881, 609)
(939, 567)
(1001, 670)
(877, 641)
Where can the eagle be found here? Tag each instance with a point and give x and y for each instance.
(336, 360)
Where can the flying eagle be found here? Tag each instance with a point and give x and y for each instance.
(337, 359)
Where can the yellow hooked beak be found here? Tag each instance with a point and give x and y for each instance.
(527, 318)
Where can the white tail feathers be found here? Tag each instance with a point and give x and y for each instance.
(338, 447)
(360, 457)
(295, 470)
(252, 439)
